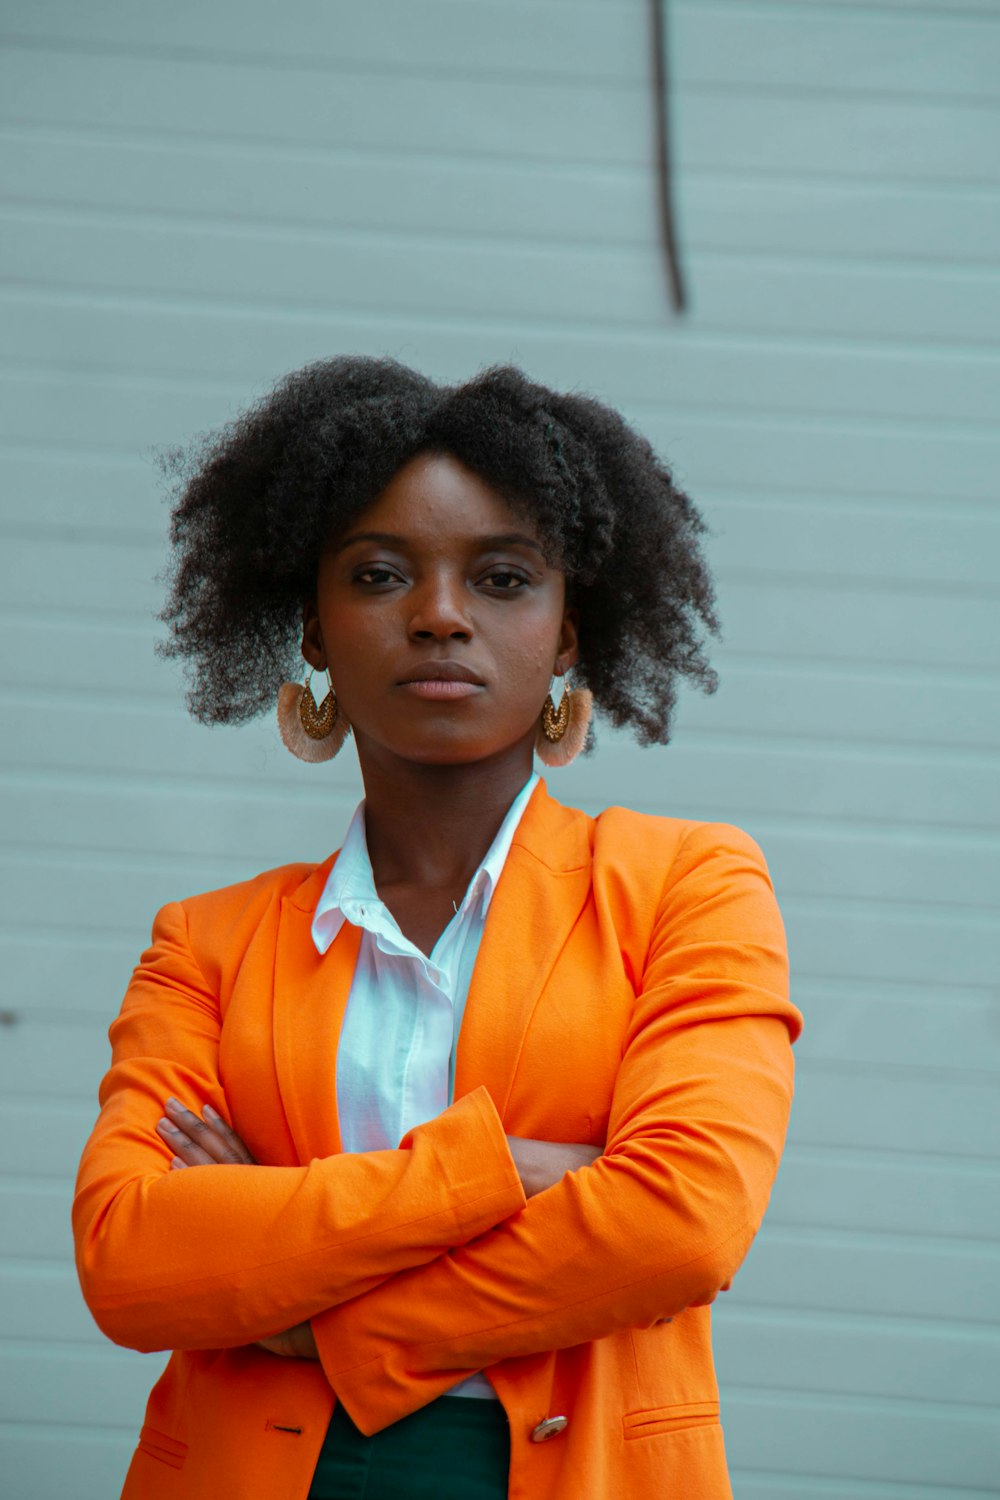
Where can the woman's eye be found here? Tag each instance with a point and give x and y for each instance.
(505, 581)
(375, 575)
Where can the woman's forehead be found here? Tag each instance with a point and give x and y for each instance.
(436, 496)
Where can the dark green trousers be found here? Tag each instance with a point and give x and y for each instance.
(458, 1448)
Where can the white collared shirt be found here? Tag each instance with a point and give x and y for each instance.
(396, 1057)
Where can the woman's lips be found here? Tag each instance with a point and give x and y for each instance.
(440, 688)
(442, 681)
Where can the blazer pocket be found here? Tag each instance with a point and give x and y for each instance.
(658, 1419)
(161, 1446)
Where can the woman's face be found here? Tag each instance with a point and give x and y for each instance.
(439, 619)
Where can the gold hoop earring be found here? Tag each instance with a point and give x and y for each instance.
(562, 732)
(310, 733)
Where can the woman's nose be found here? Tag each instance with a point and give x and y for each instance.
(440, 612)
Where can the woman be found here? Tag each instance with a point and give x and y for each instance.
(492, 1100)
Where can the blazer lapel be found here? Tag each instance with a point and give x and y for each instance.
(545, 882)
(310, 997)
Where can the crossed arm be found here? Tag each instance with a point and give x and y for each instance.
(462, 1248)
(208, 1141)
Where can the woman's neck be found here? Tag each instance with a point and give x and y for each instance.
(431, 826)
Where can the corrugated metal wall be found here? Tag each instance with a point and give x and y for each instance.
(201, 196)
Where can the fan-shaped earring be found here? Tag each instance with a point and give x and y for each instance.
(562, 731)
(313, 734)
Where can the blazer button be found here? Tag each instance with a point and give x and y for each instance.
(550, 1428)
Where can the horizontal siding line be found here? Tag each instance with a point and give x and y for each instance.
(848, 1222)
(919, 1160)
(136, 939)
(47, 1268)
(886, 1069)
(816, 1486)
(862, 982)
(981, 13)
(879, 1239)
(768, 176)
(857, 670)
(285, 795)
(67, 456)
(131, 620)
(92, 1433)
(846, 742)
(823, 990)
(979, 919)
(813, 990)
(41, 1265)
(811, 987)
(876, 187)
(749, 664)
(280, 789)
(641, 167)
(881, 95)
(875, 751)
(282, 227)
(523, 75)
(96, 1347)
(46, 1187)
(804, 1397)
(641, 163)
(924, 755)
(114, 861)
(867, 668)
(573, 327)
(115, 536)
(748, 1312)
(84, 936)
(946, 9)
(64, 449)
(880, 1156)
(821, 1486)
(832, 1395)
(70, 1109)
(841, 502)
(631, 333)
(848, 1236)
(78, 533)
(919, 587)
(843, 663)
(729, 656)
(49, 1188)
(806, 421)
(795, 499)
(797, 420)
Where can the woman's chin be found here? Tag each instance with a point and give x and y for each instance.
(445, 750)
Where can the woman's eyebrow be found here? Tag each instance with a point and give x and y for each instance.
(391, 539)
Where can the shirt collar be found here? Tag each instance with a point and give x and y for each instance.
(349, 894)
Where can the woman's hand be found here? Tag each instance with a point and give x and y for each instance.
(204, 1142)
(210, 1142)
(540, 1164)
(296, 1343)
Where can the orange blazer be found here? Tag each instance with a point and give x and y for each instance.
(630, 991)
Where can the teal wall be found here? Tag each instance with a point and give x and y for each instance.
(200, 196)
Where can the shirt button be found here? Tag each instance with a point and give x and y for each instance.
(551, 1427)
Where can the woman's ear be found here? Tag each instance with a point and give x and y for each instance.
(312, 638)
(569, 642)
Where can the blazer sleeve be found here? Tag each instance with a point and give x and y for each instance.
(213, 1259)
(663, 1219)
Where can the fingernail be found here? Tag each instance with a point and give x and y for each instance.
(164, 1124)
(176, 1163)
(173, 1103)
(209, 1112)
